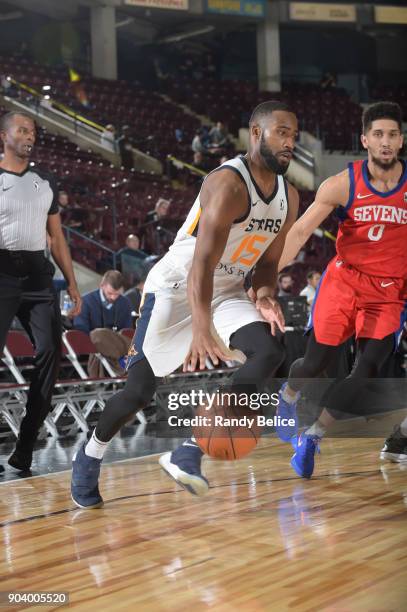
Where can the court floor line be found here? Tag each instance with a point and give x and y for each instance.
(140, 495)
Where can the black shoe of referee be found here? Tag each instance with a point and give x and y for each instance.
(22, 458)
(395, 447)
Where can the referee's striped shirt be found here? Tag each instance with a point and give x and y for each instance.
(26, 200)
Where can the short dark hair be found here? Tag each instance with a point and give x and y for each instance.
(114, 278)
(311, 273)
(381, 110)
(284, 275)
(267, 108)
(6, 119)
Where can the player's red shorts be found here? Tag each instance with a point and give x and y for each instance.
(348, 302)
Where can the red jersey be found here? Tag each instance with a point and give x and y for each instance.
(372, 235)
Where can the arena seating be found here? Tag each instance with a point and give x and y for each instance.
(151, 120)
(329, 114)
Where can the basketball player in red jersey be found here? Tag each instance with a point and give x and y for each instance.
(363, 290)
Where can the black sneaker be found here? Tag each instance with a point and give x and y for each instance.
(395, 447)
(21, 459)
(1, 468)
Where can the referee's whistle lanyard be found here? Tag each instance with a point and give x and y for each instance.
(115, 326)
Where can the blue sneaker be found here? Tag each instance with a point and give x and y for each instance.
(303, 459)
(286, 410)
(84, 483)
(184, 466)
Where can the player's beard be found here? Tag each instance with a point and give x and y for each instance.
(388, 165)
(269, 159)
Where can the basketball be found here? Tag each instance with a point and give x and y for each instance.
(227, 431)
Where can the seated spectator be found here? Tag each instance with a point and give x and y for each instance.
(285, 285)
(72, 216)
(309, 291)
(197, 144)
(218, 136)
(106, 311)
(156, 238)
(160, 211)
(133, 261)
(108, 138)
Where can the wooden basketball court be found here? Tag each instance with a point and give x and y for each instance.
(261, 540)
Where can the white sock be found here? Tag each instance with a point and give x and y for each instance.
(315, 430)
(95, 448)
(289, 398)
(190, 442)
(403, 428)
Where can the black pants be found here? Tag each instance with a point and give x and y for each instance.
(346, 396)
(264, 354)
(33, 301)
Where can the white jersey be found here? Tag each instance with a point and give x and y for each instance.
(248, 238)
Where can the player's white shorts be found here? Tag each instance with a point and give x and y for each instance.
(164, 329)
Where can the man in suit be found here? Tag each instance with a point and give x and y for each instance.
(106, 311)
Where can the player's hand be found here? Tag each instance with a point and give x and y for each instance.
(202, 346)
(271, 311)
(76, 299)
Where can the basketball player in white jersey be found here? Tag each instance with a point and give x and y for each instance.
(194, 305)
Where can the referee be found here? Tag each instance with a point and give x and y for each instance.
(28, 211)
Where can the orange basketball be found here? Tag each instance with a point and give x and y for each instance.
(226, 431)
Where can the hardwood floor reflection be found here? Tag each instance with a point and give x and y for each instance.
(261, 540)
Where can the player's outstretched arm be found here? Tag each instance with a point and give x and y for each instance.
(223, 200)
(264, 279)
(332, 193)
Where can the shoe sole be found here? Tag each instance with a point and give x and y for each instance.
(98, 505)
(19, 468)
(297, 470)
(192, 484)
(393, 457)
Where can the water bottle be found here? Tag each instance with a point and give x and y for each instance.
(66, 303)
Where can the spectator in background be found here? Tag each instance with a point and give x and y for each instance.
(313, 278)
(156, 237)
(133, 261)
(285, 285)
(197, 145)
(160, 211)
(105, 311)
(179, 135)
(108, 138)
(218, 136)
(125, 148)
(72, 216)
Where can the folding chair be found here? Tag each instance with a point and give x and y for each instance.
(19, 345)
(78, 343)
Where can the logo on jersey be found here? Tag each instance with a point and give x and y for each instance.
(362, 197)
(388, 214)
(405, 196)
(36, 185)
(282, 204)
(387, 284)
(267, 225)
